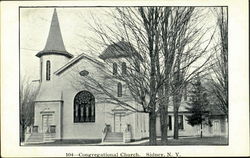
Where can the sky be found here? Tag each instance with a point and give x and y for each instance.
(75, 29)
(34, 29)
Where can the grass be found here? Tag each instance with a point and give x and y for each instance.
(171, 142)
(68, 142)
(195, 141)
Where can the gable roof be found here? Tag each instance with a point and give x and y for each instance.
(54, 44)
(74, 61)
(119, 50)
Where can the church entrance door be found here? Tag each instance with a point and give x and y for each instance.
(47, 121)
(119, 122)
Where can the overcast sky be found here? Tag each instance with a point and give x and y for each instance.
(35, 24)
(34, 28)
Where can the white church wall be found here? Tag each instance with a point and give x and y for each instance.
(126, 93)
(85, 130)
(56, 62)
(50, 90)
(137, 120)
(48, 108)
(137, 130)
(138, 134)
(108, 115)
(62, 86)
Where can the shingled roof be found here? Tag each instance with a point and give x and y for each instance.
(54, 43)
(119, 50)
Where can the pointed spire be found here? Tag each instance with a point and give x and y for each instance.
(54, 41)
(54, 44)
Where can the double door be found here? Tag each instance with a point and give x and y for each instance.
(119, 122)
(46, 122)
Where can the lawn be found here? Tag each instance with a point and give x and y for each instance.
(68, 142)
(171, 142)
(195, 141)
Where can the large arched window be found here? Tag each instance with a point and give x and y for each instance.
(48, 66)
(119, 89)
(124, 68)
(114, 68)
(84, 107)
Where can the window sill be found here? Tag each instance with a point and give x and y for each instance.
(82, 122)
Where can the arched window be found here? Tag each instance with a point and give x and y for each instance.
(124, 68)
(137, 67)
(84, 107)
(185, 93)
(114, 68)
(119, 89)
(48, 70)
(41, 71)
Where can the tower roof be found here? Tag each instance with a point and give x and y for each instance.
(119, 50)
(54, 43)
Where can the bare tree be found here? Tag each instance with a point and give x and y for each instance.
(219, 79)
(186, 46)
(151, 23)
(163, 37)
(139, 30)
(27, 93)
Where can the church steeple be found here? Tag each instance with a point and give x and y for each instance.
(54, 44)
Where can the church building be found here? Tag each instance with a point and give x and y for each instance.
(66, 111)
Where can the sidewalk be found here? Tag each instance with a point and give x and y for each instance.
(180, 141)
(119, 143)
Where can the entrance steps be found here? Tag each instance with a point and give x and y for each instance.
(40, 137)
(114, 137)
(35, 137)
(48, 137)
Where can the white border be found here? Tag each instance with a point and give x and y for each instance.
(238, 84)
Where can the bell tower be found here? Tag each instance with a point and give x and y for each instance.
(54, 55)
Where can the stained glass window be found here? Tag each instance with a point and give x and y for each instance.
(84, 107)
